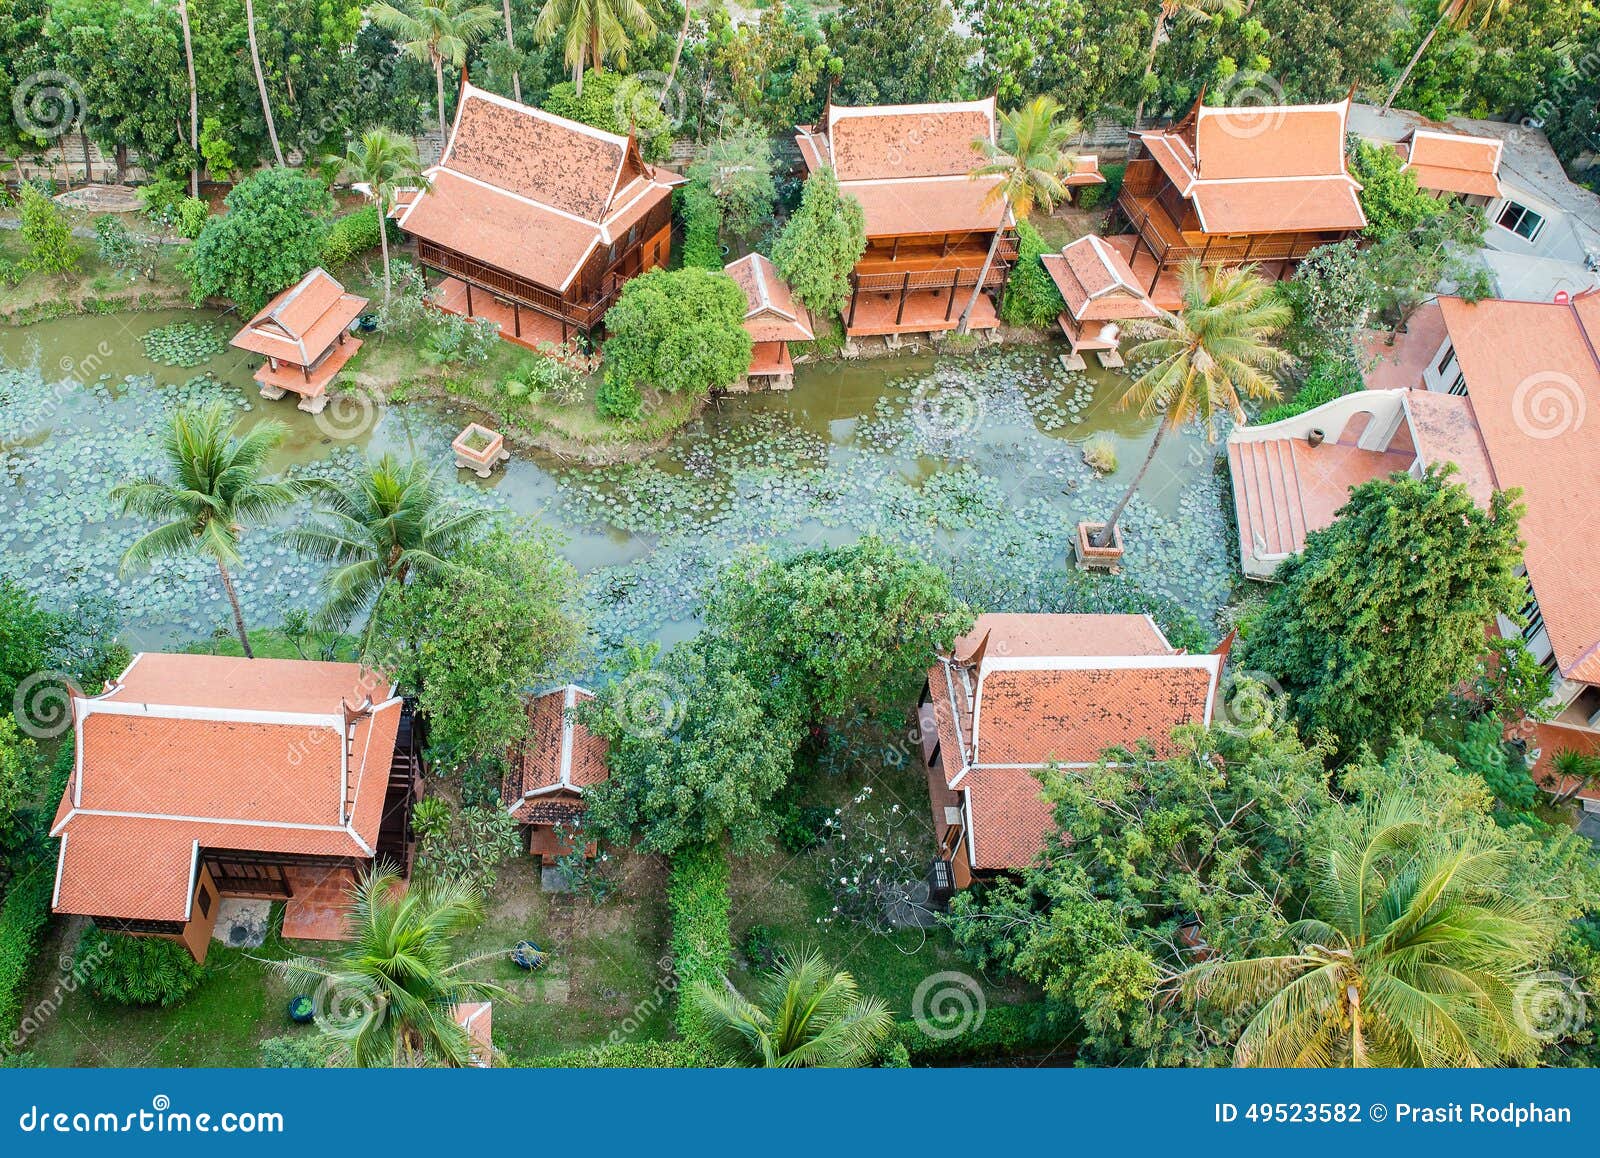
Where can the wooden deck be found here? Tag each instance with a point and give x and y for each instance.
(923, 312)
(293, 378)
(522, 326)
(320, 904)
(1162, 286)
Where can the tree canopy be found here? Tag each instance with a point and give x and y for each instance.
(679, 331)
(270, 237)
(820, 245)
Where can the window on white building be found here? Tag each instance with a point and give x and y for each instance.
(1519, 219)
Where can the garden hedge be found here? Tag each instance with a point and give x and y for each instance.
(22, 918)
(702, 227)
(702, 947)
(1328, 376)
(351, 236)
(1095, 196)
(1006, 1031)
(627, 1055)
(1031, 298)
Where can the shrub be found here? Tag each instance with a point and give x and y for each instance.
(122, 250)
(820, 245)
(697, 896)
(653, 1055)
(308, 1049)
(618, 399)
(191, 217)
(270, 236)
(1094, 196)
(22, 918)
(46, 233)
(1031, 298)
(350, 236)
(680, 330)
(617, 104)
(137, 970)
(1004, 1031)
(702, 225)
(1100, 452)
(1329, 375)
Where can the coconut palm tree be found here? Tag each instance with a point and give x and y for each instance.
(1214, 351)
(383, 162)
(805, 1014)
(214, 487)
(194, 100)
(436, 32)
(1457, 14)
(394, 523)
(1030, 161)
(261, 81)
(391, 991)
(592, 31)
(1166, 11)
(1576, 770)
(1418, 951)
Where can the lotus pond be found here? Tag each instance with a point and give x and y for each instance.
(974, 460)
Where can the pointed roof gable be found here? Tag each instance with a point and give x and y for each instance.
(1097, 283)
(1453, 162)
(303, 321)
(771, 313)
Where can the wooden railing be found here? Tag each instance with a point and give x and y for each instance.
(584, 316)
(1168, 245)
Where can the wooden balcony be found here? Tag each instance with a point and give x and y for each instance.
(1171, 246)
(583, 316)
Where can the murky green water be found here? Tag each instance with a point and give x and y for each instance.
(976, 461)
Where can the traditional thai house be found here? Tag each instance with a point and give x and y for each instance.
(1100, 292)
(929, 224)
(1453, 165)
(536, 221)
(304, 333)
(1230, 186)
(773, 319)
(548, 773)
(1020, 693)
(199, 777)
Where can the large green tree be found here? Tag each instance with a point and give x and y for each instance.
(1167, 11)
(215, 486)
(1383, 613)
(1416, 949)
(678, 330)
(436, 32)
(895, 52)
(1081, 52)
(593, 31)
(820, 245)
(269, 238)
(1478, 14)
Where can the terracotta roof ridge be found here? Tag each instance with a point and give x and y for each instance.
(470, 90)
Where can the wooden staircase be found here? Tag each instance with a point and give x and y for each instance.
(1267, 500)
(396, 840)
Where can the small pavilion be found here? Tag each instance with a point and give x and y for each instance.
(1100, 291)
(773, 319)
(304, 333)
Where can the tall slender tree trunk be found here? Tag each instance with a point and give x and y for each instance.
(1150, 61)
(438, 80)
(983, 276)
(1106, 535)
(677, 52)
(511, 43)
(194, 101)
(383, 241)
(88, 169)
(1412, 63)
(238, 615)
(261, 81)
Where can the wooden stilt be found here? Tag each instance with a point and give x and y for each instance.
(905, 284)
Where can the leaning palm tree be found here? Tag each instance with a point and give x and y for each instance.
(395, 522)
(194, 99)
(383, 162)
(436, 32)
(1166, 11)
(214, 486)
(1027, 165)
(1418, 951)
(805, 1014)
(1457, 14)
(261, 81)
(390, 994)
(1213, 351)
(592, 31)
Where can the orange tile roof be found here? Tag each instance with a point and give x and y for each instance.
(212, 752)
(1454, 162)
(908, 165)
(532, 193)
(1550, 738)
(1445, 429)
(1533, 376)
(771, 314)
(561, 755)
(1097, 283)
(477, 1018)
(1023, 691)
(304, 320)
(1278, 169)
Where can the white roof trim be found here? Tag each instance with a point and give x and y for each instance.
(104, 707)
(296, 825)
(194, 872)
(61, 864)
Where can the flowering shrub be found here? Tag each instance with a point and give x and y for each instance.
(877, 864)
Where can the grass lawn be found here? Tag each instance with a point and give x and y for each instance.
(221, 1023)
(604, 975)
(92, 279)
